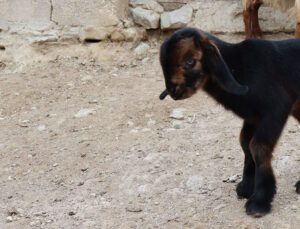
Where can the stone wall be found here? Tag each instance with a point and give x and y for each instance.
(120, 20)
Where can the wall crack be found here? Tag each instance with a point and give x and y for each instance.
(51, 12)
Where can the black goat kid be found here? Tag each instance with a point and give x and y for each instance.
(256, 79)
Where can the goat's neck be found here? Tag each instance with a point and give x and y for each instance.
(230, 54)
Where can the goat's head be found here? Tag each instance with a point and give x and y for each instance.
(188, 59)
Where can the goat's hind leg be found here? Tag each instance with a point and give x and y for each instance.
(297, 6)
(245, 188)
(296, 114)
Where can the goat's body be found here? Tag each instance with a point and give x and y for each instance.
(256, 79)
(270, 70)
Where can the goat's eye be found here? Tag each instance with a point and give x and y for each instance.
(190, 62)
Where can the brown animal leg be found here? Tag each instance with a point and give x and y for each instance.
(296, 114)
(245, 188)
(251, 22)
(297, 32)
(256, 31)
(248, 22)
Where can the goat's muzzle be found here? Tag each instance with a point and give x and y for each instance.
(163, 95)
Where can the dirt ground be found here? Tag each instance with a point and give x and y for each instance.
(85, 143)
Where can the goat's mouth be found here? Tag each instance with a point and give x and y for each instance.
(164, 94)
(181, 94)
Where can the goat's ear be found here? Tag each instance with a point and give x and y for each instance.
(219, 71)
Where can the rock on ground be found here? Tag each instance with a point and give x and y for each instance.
(146, 18)
(176, 19)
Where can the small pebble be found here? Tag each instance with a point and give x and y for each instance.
(151, 122)
(177, 114)
(93, 195)
(71, 213)
(93, 101)
(81, 183)
(35, 223)
(14, 211)
(177, 124)
(24, 123)
(87, 78)
(294, 207)
(133, 208)
(84, 113)
(130, 123)
(41, 128)
(134, 131)
(9, 219)
(232, 179)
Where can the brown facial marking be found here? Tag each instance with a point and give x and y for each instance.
(182, 50)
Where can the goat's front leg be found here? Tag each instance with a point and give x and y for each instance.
(251, 21)
(245, 188)
(256, 30)
(261, 147)
(247, 22)
(297, 31)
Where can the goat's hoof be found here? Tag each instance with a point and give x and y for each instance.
(257, 209)
(297, 185)
(244, 189)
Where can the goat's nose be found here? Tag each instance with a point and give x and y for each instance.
(163, 95)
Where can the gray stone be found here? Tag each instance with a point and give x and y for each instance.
(146, 18)
(41, 127)
(177, 18)
(177, 114)
(148, 5)
(9, 219)
(195, 183)
(141, 49)
(223, 16)
(25, 11)
(84, 113)
(134, 208)
(92, 12)
(4, 26)
(43, 38)
(130, 34)
(135, 34)
(70, 33)
(170, 5)
(117, 36)
(91, 33)
(177, 124)
(232, 179)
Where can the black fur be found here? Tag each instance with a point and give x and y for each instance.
(266, 88)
